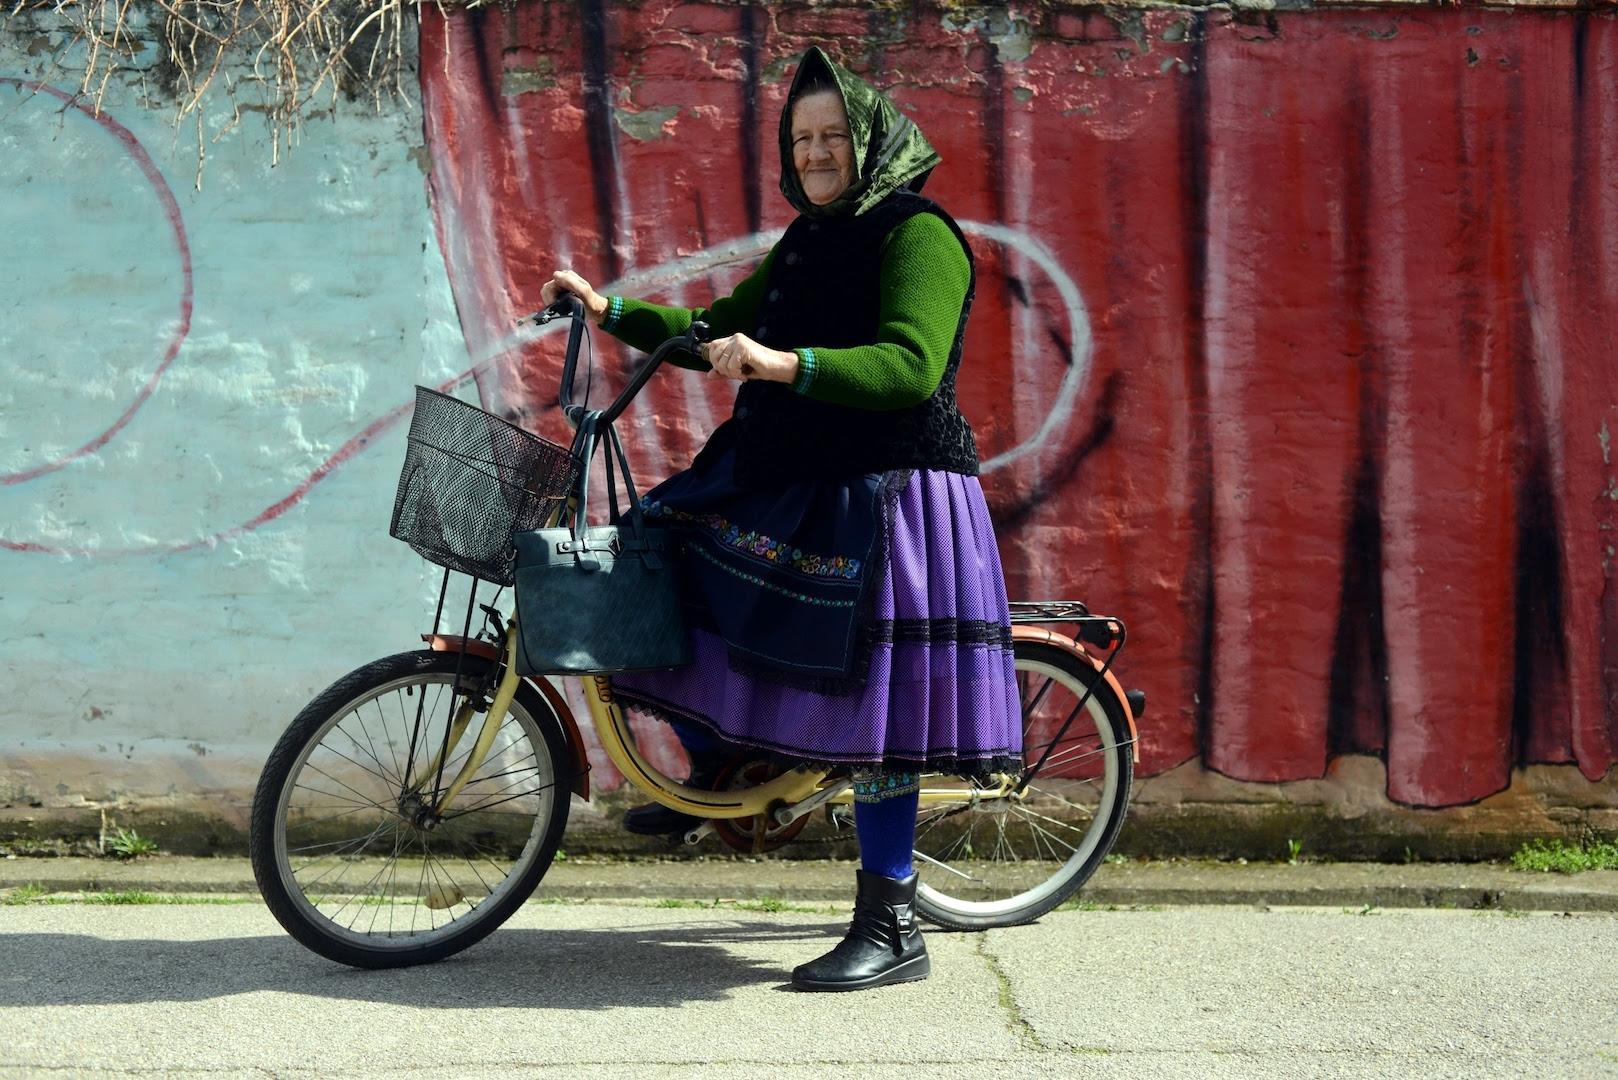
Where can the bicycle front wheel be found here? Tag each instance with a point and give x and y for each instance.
(343, 854)
(987, 859)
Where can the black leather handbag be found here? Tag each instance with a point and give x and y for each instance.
(595, 599)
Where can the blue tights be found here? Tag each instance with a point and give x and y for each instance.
(885, 821)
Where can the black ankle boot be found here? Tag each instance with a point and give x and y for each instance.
(883, 944)
(655, 819)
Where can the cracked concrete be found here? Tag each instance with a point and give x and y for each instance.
(638, 991)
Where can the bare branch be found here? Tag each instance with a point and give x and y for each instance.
(358, 45)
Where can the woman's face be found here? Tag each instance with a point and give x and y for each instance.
(822, 149)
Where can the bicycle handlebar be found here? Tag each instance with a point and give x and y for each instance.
(570, 306)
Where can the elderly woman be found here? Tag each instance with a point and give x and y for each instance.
(847, 602)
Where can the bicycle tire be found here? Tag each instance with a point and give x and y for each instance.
(1032, 891)
(273, 868)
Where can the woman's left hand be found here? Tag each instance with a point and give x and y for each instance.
(740, 357)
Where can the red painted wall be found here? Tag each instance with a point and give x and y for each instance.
(1294, 343)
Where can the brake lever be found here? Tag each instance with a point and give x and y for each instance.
(540, 318)
(557, 310)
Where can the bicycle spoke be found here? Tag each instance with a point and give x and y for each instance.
(365, 804)
(317, 847)
(382, 723)
(1066, 757)
(493, 755)
(483, 807)
(1030, 751)
(534, 768)
(490, 799)
(1032, 706)
(387, 782)
(1030, 817)
(329, 817)
(363, 889)
(1085, 810)
(924, 857)
(487, 890)
(338, 782)
(368, 752)
(387, 892)
(358, 845)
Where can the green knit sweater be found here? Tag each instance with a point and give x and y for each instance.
(924, 278)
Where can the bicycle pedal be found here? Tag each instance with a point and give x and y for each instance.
(693, 837)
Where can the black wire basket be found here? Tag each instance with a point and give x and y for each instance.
(470, 481)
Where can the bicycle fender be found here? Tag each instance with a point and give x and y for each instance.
(553, 697)
(1068, 645)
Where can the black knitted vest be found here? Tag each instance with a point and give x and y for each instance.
(823, 292)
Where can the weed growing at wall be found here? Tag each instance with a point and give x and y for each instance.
(129, 844)
(1564, 858)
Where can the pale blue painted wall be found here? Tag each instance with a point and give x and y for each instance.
(320, 299)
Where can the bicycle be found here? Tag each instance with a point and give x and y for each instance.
(458, 837)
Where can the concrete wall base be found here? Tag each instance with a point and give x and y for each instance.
(62, 803)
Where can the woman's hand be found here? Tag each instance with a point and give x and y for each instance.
(595, 305)
(740, 357)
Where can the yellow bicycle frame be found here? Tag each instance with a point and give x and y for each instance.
(612, 728)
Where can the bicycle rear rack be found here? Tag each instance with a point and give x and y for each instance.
(1102, 631)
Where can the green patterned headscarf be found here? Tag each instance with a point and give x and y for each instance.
(890, 152)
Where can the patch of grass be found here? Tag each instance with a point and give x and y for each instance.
(773, 904)
(1116, 860)
(22, 894)
(121, 896)
(129, 844)
(1558, 856)
(768, 904)
(34, 894)
(1368, 909)
(764, 903)
(1294, 852)
(1091, 905)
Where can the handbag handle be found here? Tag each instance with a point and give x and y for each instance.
(636, 515)
(585, 443)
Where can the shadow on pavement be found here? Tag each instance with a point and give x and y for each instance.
(647, 965)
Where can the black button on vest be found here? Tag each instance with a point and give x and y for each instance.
(826, 276)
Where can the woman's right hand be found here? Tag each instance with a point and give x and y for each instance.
(595, 305)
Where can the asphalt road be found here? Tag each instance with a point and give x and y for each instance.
(624, 990)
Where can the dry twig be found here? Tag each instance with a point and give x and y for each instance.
(299, 50)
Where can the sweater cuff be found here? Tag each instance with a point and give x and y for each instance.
(806, 370)
(615, 311)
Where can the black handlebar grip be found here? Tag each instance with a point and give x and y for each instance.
(701, 332)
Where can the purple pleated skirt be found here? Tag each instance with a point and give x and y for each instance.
(941, 690)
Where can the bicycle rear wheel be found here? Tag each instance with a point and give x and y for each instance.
(338, 845)
(988, 860)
